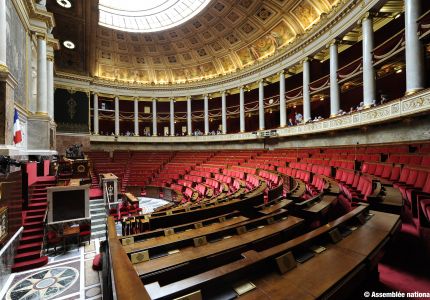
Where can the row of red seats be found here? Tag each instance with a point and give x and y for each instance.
(234, 173)
(409, 159)
(245, 169)
(194, 178)
(204, 174)
(355, 186)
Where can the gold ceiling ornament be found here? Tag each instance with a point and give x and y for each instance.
(225, 37)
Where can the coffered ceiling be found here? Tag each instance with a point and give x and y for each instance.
(228, 35)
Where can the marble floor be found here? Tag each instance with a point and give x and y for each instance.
(67, 275)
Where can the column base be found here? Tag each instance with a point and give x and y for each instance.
(261, 129)
(413, 91)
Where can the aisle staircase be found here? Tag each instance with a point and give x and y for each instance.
(30, 245)
(98, 219)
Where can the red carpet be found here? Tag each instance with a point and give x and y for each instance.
(96, 193)
(30, 245)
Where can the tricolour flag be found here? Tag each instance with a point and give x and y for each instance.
(17, 133)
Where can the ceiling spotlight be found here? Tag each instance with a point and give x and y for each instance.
(397, 16)
(321, 98)
(399, 70)
(64, 3)
(69, 44)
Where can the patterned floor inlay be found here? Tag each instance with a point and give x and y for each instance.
(45, 284)
(67, 276)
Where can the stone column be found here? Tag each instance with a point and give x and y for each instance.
(224, 112)
(242, 109)
(136, 117)
(334, 86)
(3, 36)
(261, 104)
(116, 115)
(189, 117)
(154, 117)
(415, 79)
(50, 87)
(172, 117)
(306, 92)
(206, 113)
(282, 107)
(96, 113)
(369, 84)
(42, 85)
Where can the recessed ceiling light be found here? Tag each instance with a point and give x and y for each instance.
(64, 3)
(69, 45)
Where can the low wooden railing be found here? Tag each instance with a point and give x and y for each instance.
(126, 284)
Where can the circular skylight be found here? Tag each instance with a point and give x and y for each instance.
(147, 15)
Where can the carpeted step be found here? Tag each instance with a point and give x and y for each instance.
(27, 256)
(31, 239)
(38, 205)
(32, 231)
(34, 218)
(32, 225)
(29, 247)
(35, 212)
(30, 264)
(37, 199)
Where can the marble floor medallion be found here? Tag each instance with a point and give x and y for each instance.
(45, 284)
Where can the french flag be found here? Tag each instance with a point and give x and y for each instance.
(17, 133)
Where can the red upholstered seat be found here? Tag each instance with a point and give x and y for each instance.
(84, 233)
(98, 262)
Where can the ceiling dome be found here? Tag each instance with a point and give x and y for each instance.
(147, 16)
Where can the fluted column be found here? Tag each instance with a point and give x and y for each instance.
(206, 112)
(42, 85)
(242, 109)
(96, 113)
(224, 112)
(3, 35)
(369, 84)
(136, 116)
(172, 117)
(116, 115)
(415, 79)
(306, 92)
(282, 107)
(189, 117)
(334, 86)
(50, 87)
(261, 104)
(154, 117)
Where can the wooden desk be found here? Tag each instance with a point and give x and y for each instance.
(308, 280)
(212, 232)
(131, 198)
(184, 235)
(322, 206)
(224, 247)
(70, 233)
(75, 182)
(272, 208)
(250, 262)
(109, 176)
